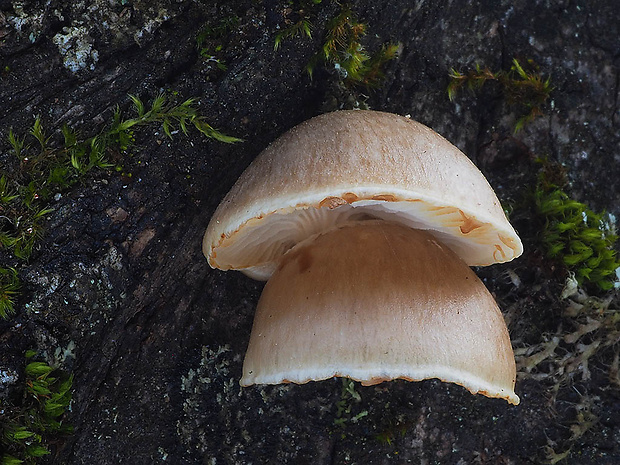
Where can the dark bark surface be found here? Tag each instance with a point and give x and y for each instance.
(156, 338)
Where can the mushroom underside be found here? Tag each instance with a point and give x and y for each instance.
(256, 247)
(375, 301)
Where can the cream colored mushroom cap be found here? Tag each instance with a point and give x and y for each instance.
(349, 164)
(376, 301)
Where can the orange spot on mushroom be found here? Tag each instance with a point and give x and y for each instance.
(350, 197)
(501, 252)
(332, 202)
(508, 242)
(469, 224)
(433, 208)
(385, 197)
(445, 211)
(374, 380)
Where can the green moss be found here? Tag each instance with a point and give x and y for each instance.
(344, 407)
(521, 86)
(299, 22)
(342, 48)
(580, 348)
(9, 288)
(301, 28)
(27, 429)
(577, 237)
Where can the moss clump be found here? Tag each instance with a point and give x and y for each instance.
(342, 48)
(522, 87)
(26, 429)
(577, 237)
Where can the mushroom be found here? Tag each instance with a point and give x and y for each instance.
(365, 224)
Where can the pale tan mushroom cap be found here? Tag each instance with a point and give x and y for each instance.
(376, 301)
(350, 164)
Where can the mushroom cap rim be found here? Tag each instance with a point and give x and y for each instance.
(366, 195)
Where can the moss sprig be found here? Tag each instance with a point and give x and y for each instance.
(526, 88)
(27, 429)
(171, 116)
(301, 28)
(344, 407)
(9, 289)
(21, 215)
(303, 13)
(342, 48)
